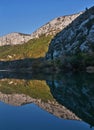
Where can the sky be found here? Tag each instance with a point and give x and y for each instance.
(26, 16)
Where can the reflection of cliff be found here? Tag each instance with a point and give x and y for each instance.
(15, 99)
(19, 92)
(50, 106)
(76, 92)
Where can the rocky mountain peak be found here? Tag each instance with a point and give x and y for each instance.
(51, 28)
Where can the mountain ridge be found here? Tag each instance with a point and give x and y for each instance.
(55, 25)
(50, 28)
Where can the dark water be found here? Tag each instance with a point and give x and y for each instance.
(53, 102)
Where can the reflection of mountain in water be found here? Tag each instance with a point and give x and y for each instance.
(20, 92)
(75, 92)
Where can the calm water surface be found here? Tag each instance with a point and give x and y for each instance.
(36, 102)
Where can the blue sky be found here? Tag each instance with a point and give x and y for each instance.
(27, 15)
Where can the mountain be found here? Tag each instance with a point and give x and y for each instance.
(34, 48)
(34, 45)
(51, 28)
(75, 43)
(14, 38)
(54, 26)
(71, 44)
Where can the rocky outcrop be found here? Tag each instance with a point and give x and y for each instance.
(55, 26)
(52, 107)
(14, 38)
(75, 38)
(50, 28)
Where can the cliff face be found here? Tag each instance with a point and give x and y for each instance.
(75, 38)
(50, 28)
(54, 26)
(14, 38)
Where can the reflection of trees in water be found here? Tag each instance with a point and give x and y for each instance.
(76, 92)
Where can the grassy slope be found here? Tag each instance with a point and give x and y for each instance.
(34, 48)
(34, 88)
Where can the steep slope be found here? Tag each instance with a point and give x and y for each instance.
(50, 28)
(55, 26)
(75, 42)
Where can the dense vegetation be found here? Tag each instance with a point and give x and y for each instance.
(77, 62)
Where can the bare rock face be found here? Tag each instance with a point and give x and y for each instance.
(77, 37)
(14, 38)
(54, 26)
(51, 28)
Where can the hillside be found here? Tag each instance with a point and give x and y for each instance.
(51, 28)
(55, 26)
(19, 46)
(73, 47)
(34, 48)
